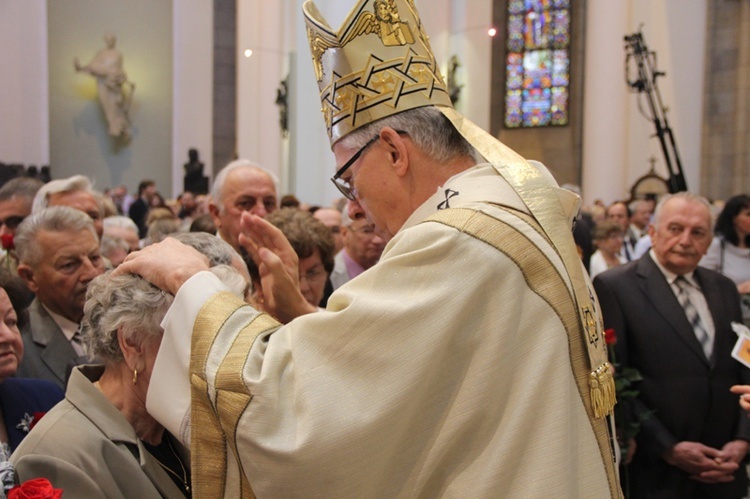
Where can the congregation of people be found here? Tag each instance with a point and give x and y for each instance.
(91, 336)
(445, 340)
(75, 334)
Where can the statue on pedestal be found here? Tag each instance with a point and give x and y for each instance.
(112, 83)
(195, 181)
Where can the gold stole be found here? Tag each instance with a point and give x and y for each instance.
(214, 427)
(586, 339)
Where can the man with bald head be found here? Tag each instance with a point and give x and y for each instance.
(241, 186)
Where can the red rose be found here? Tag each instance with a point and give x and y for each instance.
(37, 417)
(7, 241)
(610, 338)
(38, 488)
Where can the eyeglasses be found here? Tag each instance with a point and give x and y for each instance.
(365, 229)
(12, 222)
(315, 274)
(344, 186)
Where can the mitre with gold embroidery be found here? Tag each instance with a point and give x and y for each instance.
(379, 63)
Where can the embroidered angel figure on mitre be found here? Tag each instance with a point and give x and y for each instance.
(385, 21)
(392, 31)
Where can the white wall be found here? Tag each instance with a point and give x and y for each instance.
(617, 139)
(260, 27)
(676, 30)
(470, 22)
(24, 100)
(24, 85)
(605, 108)
(193, 87)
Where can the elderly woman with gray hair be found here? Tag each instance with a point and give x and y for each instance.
(101, 441)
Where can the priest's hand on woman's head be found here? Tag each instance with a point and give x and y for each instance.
(166, 265)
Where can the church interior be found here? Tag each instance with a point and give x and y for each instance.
(234, 80)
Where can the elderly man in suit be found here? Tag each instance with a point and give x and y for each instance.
(58, 250)
(673, 323)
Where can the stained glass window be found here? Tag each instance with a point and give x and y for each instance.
(537, 63)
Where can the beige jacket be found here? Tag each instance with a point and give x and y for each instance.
(87, 448)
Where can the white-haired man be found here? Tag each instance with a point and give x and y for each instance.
(239, 187)
(122, 227)
(76, 192)
(673, 322)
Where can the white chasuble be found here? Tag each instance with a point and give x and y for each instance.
(443, 371)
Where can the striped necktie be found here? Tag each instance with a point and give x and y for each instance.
(693, 317)
(77, 342)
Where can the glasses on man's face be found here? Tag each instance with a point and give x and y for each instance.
(344, 186)
(367, 230)
(12, 222)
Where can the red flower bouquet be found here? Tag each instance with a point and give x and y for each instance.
(38, 488)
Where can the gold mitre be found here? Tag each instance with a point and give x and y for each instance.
(378, 64)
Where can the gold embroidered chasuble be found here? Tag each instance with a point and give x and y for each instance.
(445, 370)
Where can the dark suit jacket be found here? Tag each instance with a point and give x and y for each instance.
(689, 394)
(47, 352)
(138, 212)
(21, 398)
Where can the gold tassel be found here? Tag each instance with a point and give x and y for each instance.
(603, 394)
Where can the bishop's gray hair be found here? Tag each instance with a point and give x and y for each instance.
(427, 127)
